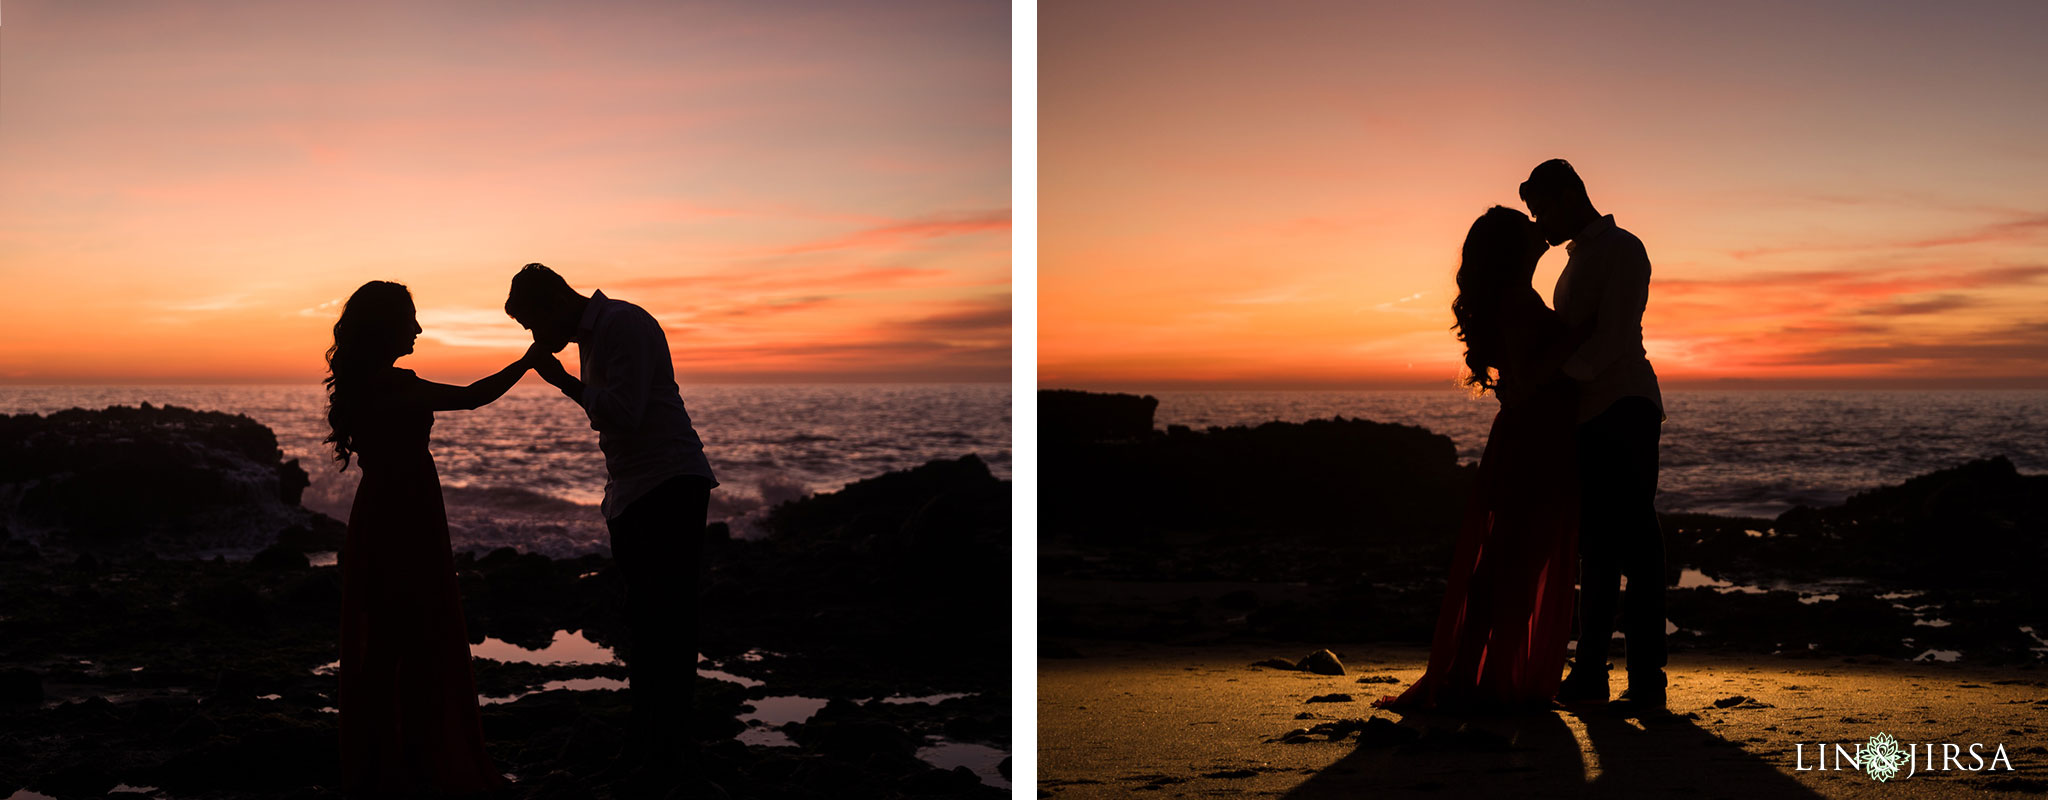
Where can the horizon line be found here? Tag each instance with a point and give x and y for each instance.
(1706, 384)
(316, 382)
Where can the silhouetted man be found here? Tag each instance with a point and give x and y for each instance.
(658, 490)
(1621, 414)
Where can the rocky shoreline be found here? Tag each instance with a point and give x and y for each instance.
(1194, 547)
(129, 657)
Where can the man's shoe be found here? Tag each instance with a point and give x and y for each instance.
(1586, 685)
(1645, 694)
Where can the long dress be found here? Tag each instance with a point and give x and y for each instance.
(409, 718)
(1507, 610)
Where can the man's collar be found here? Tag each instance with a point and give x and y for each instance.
(589, 320)
(1589, 233)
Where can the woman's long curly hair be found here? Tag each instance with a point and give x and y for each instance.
(1493, 247)
(363, 343)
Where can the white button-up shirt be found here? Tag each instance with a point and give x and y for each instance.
(1607, 280)
(629, 391)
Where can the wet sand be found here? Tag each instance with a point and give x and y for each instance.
(1198, 721)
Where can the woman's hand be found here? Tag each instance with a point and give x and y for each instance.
(538, 357)
(549, 369)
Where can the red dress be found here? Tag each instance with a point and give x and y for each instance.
(409, 720)
(1507, 611)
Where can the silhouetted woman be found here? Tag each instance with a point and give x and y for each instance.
(409, 720)
(1500, 636)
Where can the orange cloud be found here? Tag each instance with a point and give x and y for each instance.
(2019, 230)
(900, 233)
(193, 187)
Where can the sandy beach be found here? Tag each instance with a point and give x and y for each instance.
(1200, 721)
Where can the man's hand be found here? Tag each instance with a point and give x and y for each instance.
(542, 360)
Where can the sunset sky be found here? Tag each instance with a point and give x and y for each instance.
(1273, 194)
(798, 191)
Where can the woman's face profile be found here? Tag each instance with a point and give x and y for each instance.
(405, 334)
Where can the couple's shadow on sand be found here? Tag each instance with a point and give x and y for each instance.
(1540, 755)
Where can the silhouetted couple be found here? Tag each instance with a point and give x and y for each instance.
(1569, 471)
(409, 716)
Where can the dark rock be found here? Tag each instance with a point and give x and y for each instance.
(318, 590)
(236, 686)
(831, 622)
(279, 557)
(228, 601)
(1337, 697)
(177, 479)
(1088, 416)
(974, 728)
(1730, 702)
(1955, 526)
(843, 728)
(1358, 478)
(1322, 662)
(1382, 732)
(938, 499)
(941, 782)
(317, 534)
(12, 549)
(20, 687)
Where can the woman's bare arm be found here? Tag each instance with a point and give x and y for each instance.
(449, 397)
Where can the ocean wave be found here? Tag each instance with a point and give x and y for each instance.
(513, 500)
(481, 519)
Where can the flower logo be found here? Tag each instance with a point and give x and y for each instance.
(1881, 757)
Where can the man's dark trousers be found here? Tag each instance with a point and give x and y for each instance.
(658, 545)
(1619, 536)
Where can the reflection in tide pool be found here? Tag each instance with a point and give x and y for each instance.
(568, 647)
(764, 723)
(930, 699)
(984, 760)
(573, 684)
(771, 713)
(722, 675)
(1690, 578)
(774, 712)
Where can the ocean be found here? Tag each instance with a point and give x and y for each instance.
(1740, 453)
(525, 471)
